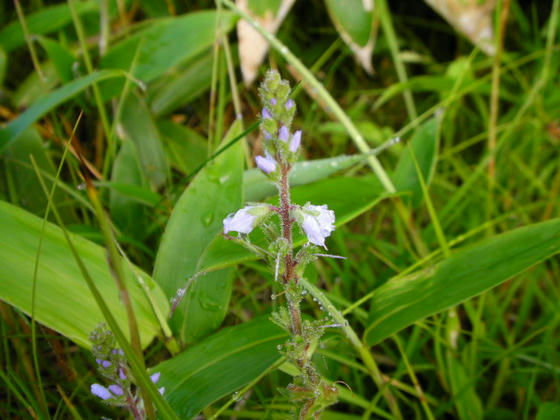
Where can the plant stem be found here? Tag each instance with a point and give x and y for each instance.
(321, 92)
(287, 223)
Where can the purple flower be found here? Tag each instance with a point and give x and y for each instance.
(296, 141)
(161, 390)
(244, 220)
(265, 114)
(267, 135)
(155, 377)
(284, 134)
(289, 104)
(117, 390)
(317, 223)
(100, 391)
(266, 163)
(272, 101)
(121, 374)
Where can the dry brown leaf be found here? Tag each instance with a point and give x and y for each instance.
(470, 18)
(252, 46)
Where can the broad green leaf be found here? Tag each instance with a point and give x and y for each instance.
(164, 44)
(467, 273)
(424, 145)
(258, 186)
(548, 411)
(353, 19)
(60, 57)
(196, 220)
(46, 20)
(185, 148)
(348, 197)
(182, 86)
(63, 300)
(139, 127)
(220, 365)
(127, 213)
(50, 101)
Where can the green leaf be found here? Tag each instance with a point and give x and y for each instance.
(220, 365)
(185, 148)
(63, 300)
(196, 220)
(262, 7)
(164, 44)
(46, 20)
(350, 18)
(126, 212)
(182, 86)
(467, 401)
(355, 25)
(138, 127)
(467, 273)
(48, 102)
(424, 145)
(61, 58)
(348, 197)
(3, 65)
(258, 186)
(548, 411)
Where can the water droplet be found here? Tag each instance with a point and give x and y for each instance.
(235, 396)
(81, 186)
(273, 297)
(279, 346)
(224, 179)
(207, 219)
(284, 50)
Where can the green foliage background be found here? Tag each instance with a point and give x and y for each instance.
(448, 296)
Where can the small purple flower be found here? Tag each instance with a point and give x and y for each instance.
(318, 223)
(284, 134)
(122, 374)
(116, 390)
(296, 141)
(161, 390)
(100, 391)
(155, 377)
(106, 364)
(272, 101)
(266, 163)
(265, 114)
(267, 136)
(244, 220)
(289, 104)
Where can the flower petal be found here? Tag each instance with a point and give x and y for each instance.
(100, 391)
(242, 221)
(266, 164)
(116, 390)
(155, 377)
(284, 134)
(296, 141)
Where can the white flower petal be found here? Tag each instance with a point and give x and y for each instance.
(242, 221)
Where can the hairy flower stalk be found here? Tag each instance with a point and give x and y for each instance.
(309, 391)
